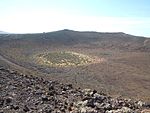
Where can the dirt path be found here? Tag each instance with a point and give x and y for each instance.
(9, 62)
(15, 66)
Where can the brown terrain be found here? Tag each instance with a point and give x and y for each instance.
(22, 93)
(122, 68)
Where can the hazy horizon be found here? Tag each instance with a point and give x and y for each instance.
(32, 16)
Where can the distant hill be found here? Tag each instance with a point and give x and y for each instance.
(118, 40)
(3, 32)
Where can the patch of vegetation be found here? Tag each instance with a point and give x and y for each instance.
(63, 58)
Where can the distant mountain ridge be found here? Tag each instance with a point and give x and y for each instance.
(105, 40)
(3, 32)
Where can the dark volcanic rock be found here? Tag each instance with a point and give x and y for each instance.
(21, 93)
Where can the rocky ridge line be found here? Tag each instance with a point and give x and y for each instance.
(20, 93)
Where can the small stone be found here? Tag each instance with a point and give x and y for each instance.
(39, 92)
(90, 103)
(15, 107)
(63, 92)
(26, 109)
(88, 110)
(84, 103)
(83, 110)
(79, 104)
(13, 72)
(122, 110)
(51, 93)
(140, 103)
(69, 108)
(126, 110)
(99, 97)
(107, 106)
(94, 91)
(51, 87)
(145, 111)
(1, 102)
(62, 109)
(87, 92)
(147, 105)
(8, 100)
(98, 105)
(69, 85)
(44, 98)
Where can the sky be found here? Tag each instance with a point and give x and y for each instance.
(35, 16)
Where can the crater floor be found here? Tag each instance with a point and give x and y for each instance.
(63, 59)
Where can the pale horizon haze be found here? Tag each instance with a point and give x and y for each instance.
(37, 16)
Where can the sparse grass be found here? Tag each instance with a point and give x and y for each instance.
(63, 59)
